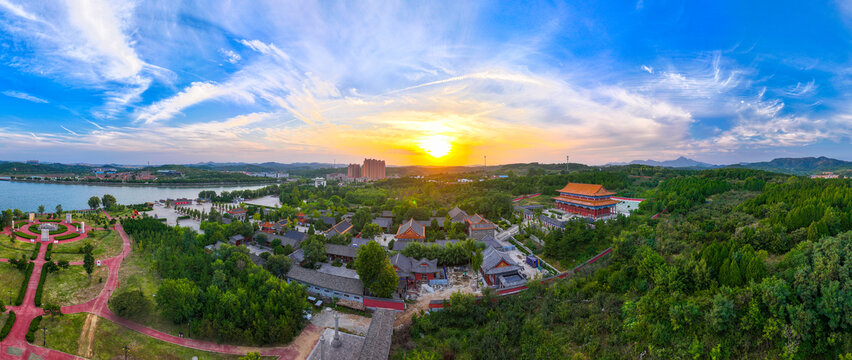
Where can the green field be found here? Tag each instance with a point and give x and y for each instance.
(11, 250)
(63, 332)
(107, 244)
(138, 273)
(110, 338)
(73, 286)
(10, 279)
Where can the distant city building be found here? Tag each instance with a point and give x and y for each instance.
(319, 182)
(32, 162)
(373, 169)
(825, 175)
(354, 171)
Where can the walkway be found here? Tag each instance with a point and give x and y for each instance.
(298, 348)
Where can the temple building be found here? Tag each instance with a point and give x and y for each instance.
(588, 200)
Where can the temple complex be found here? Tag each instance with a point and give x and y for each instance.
(588, 200)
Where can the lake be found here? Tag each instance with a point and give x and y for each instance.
(28, 196)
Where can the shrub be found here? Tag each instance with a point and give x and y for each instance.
(68, 236)
(33, 328)
(8, 326)
(184, 217)
(337, 263)
(49, 251)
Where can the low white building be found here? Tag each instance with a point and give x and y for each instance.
(319, 182)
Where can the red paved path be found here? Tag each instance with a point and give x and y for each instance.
(98, 306)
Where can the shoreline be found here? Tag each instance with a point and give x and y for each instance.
(164, 185)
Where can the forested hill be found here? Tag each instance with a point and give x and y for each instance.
(741, 264)
(19, 168)
(800, 166)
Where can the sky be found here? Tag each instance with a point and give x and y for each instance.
(427, 83)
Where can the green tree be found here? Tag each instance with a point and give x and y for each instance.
(375, 270)
(108, 201)
(41, 209)
(131, 303)
(251, 356)
(370, 231)
(94, 202)
(89, 263)
(59, 208)
(178, 299)
(278, 265)
(314, 249)
(360, 219)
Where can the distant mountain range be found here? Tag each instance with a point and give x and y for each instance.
(680, 162)
(797, 166)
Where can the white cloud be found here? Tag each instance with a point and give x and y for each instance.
(230, 56)
(647, 69)
(24, 96)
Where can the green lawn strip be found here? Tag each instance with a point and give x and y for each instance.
(63, 331)
(106, 244)
(14, 250)
(8, 321)
(110, 338)
(73, 286)
(10, 279)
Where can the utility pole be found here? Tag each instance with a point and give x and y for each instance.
(485, 165)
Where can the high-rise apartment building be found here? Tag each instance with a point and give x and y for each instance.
(373, 169)
(354, 171)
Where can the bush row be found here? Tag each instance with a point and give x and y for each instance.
(49, 252)
(8, 326)
(66, 237)
(35, 251)
(40, 287)
(51, 220)
(33, 328)
(24, 235)
(23, 290)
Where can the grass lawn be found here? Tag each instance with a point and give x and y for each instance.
(137, 273)
(10, 279)
(111, 337)
(63, 332)
(107, 244)
(73, 286)
(13, 250)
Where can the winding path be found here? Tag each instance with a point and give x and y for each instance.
(99, 306)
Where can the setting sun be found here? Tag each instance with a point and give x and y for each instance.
(436, 145)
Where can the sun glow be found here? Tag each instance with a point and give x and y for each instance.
(436, 145)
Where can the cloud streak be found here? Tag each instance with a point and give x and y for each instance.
(24, 96)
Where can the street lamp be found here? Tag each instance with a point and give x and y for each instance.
(125, 351)
(45, 336)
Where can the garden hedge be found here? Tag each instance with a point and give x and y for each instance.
(40, 287)
(62, 228)
(66, 237)
(8, 326)
(23, 290)
(35, 251)
(33, 328)
(24, 235)
(49, 251)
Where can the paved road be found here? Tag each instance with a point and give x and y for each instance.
(98, 306)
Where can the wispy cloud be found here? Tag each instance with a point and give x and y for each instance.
(24, 96)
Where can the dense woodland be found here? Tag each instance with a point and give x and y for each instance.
(221, 295)
(739, 264)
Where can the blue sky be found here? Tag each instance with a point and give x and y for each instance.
(172, 82)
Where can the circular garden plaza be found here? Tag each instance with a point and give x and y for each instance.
(58, 273)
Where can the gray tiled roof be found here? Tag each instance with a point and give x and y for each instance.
(490, 241)
(328, 220)
(356, 242)
(285, 240)
(383, 222)
(339, 228)
(408, 265)
(457, 215)
(413, 225)
(332, 282)
(378, 340)
(341, 250)
(491, 258)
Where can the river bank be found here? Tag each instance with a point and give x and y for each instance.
(169, 185)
